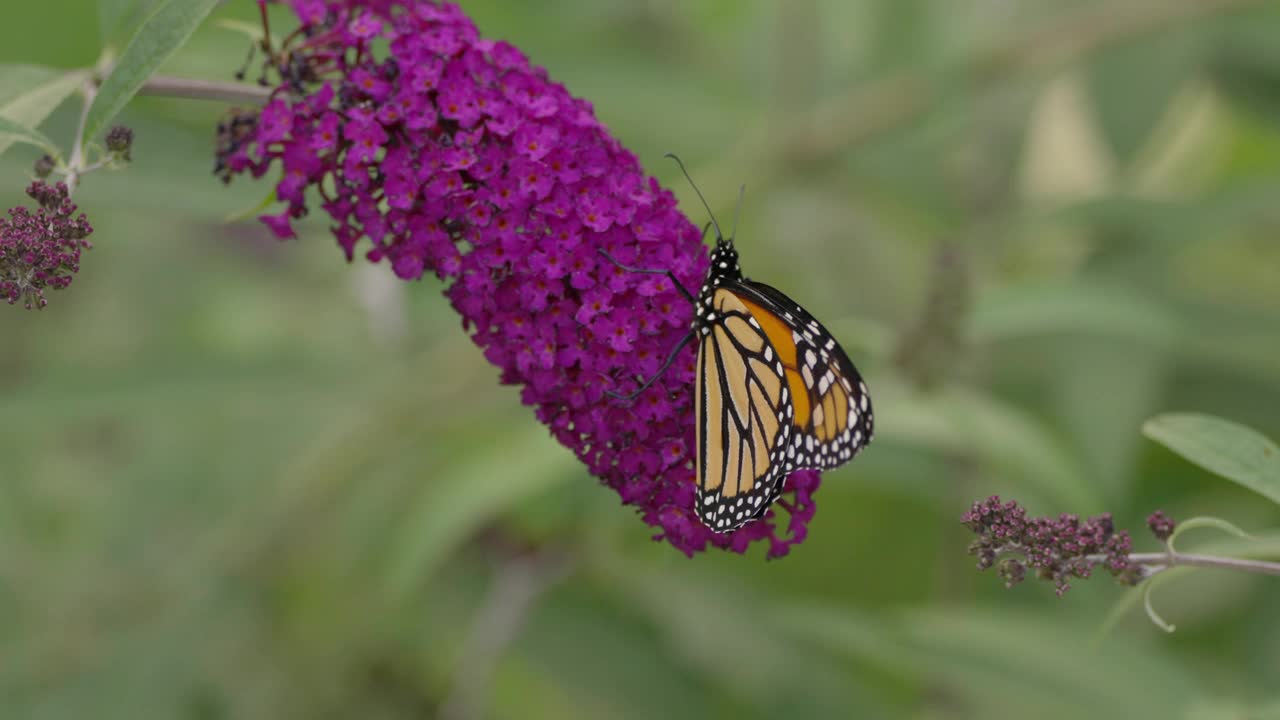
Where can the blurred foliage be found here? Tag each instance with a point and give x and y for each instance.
(241, 479)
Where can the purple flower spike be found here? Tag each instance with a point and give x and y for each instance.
(40, 250)
(451, 154)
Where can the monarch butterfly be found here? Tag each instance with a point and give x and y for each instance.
(775, 392)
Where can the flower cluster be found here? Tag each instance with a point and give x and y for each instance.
(40, 249)
(441, 152)
(1057, 549)
(1161, 525)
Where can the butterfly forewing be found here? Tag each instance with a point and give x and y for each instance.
(743, 433)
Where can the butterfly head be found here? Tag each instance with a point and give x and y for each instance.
(724, 261)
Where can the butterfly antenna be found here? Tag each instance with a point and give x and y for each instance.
(719, 235)
(742, 191)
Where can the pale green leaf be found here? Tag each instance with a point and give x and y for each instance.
(1235, 452)
(253, 211)
(456, 501)
(846, 633)
(31, 105)
(166, 30)
(1045, 309)
(115, 16)
(1012, 444)
(1009, 662)
(702, 617)
(253, 30)
(12, 131)
(16, 80)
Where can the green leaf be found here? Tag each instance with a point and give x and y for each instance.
(845, 633)
(1133, 84)
(116, 15)
(1205, 521)
(1246, 70)
(1229, 449)
(14, 131)
(702, 616)
(253, 30)
(1084, 307)
(32, 95)
(253, 211)
(459, 500)
(1012, 444)
(16, 80)
(159, 37)
(968, 653)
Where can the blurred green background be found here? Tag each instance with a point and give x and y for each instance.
(242, 479)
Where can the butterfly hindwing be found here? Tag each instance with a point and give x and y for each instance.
(831, 410)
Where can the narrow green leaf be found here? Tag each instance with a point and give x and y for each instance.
(458, 500)
(253, 30)
(253, 211)
(16, 80)
(1205, 521)
(14, 131)
(967, 653)
(845, 633)
(114, 16)
(29, 108)
(1088, 308)
(160, 36)
(1013, 445)
(701, 616)
(1229, 449)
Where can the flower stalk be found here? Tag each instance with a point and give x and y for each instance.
(1066, 547)
(76, 164)
(216, 91)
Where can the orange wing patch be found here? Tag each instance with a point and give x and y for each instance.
(779, 334)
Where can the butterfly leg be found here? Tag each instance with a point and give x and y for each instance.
(670, 359)
(688, 296)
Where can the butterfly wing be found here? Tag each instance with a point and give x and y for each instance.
(775, 393)
(742, 400)
(831, 415)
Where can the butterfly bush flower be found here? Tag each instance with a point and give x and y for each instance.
(438, 151)
(1056, 549)
(1161, 525)
(40, 248)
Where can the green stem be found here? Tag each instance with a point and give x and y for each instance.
(76, 163)
(1166, 560)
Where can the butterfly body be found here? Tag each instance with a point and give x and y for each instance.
(775, 393)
